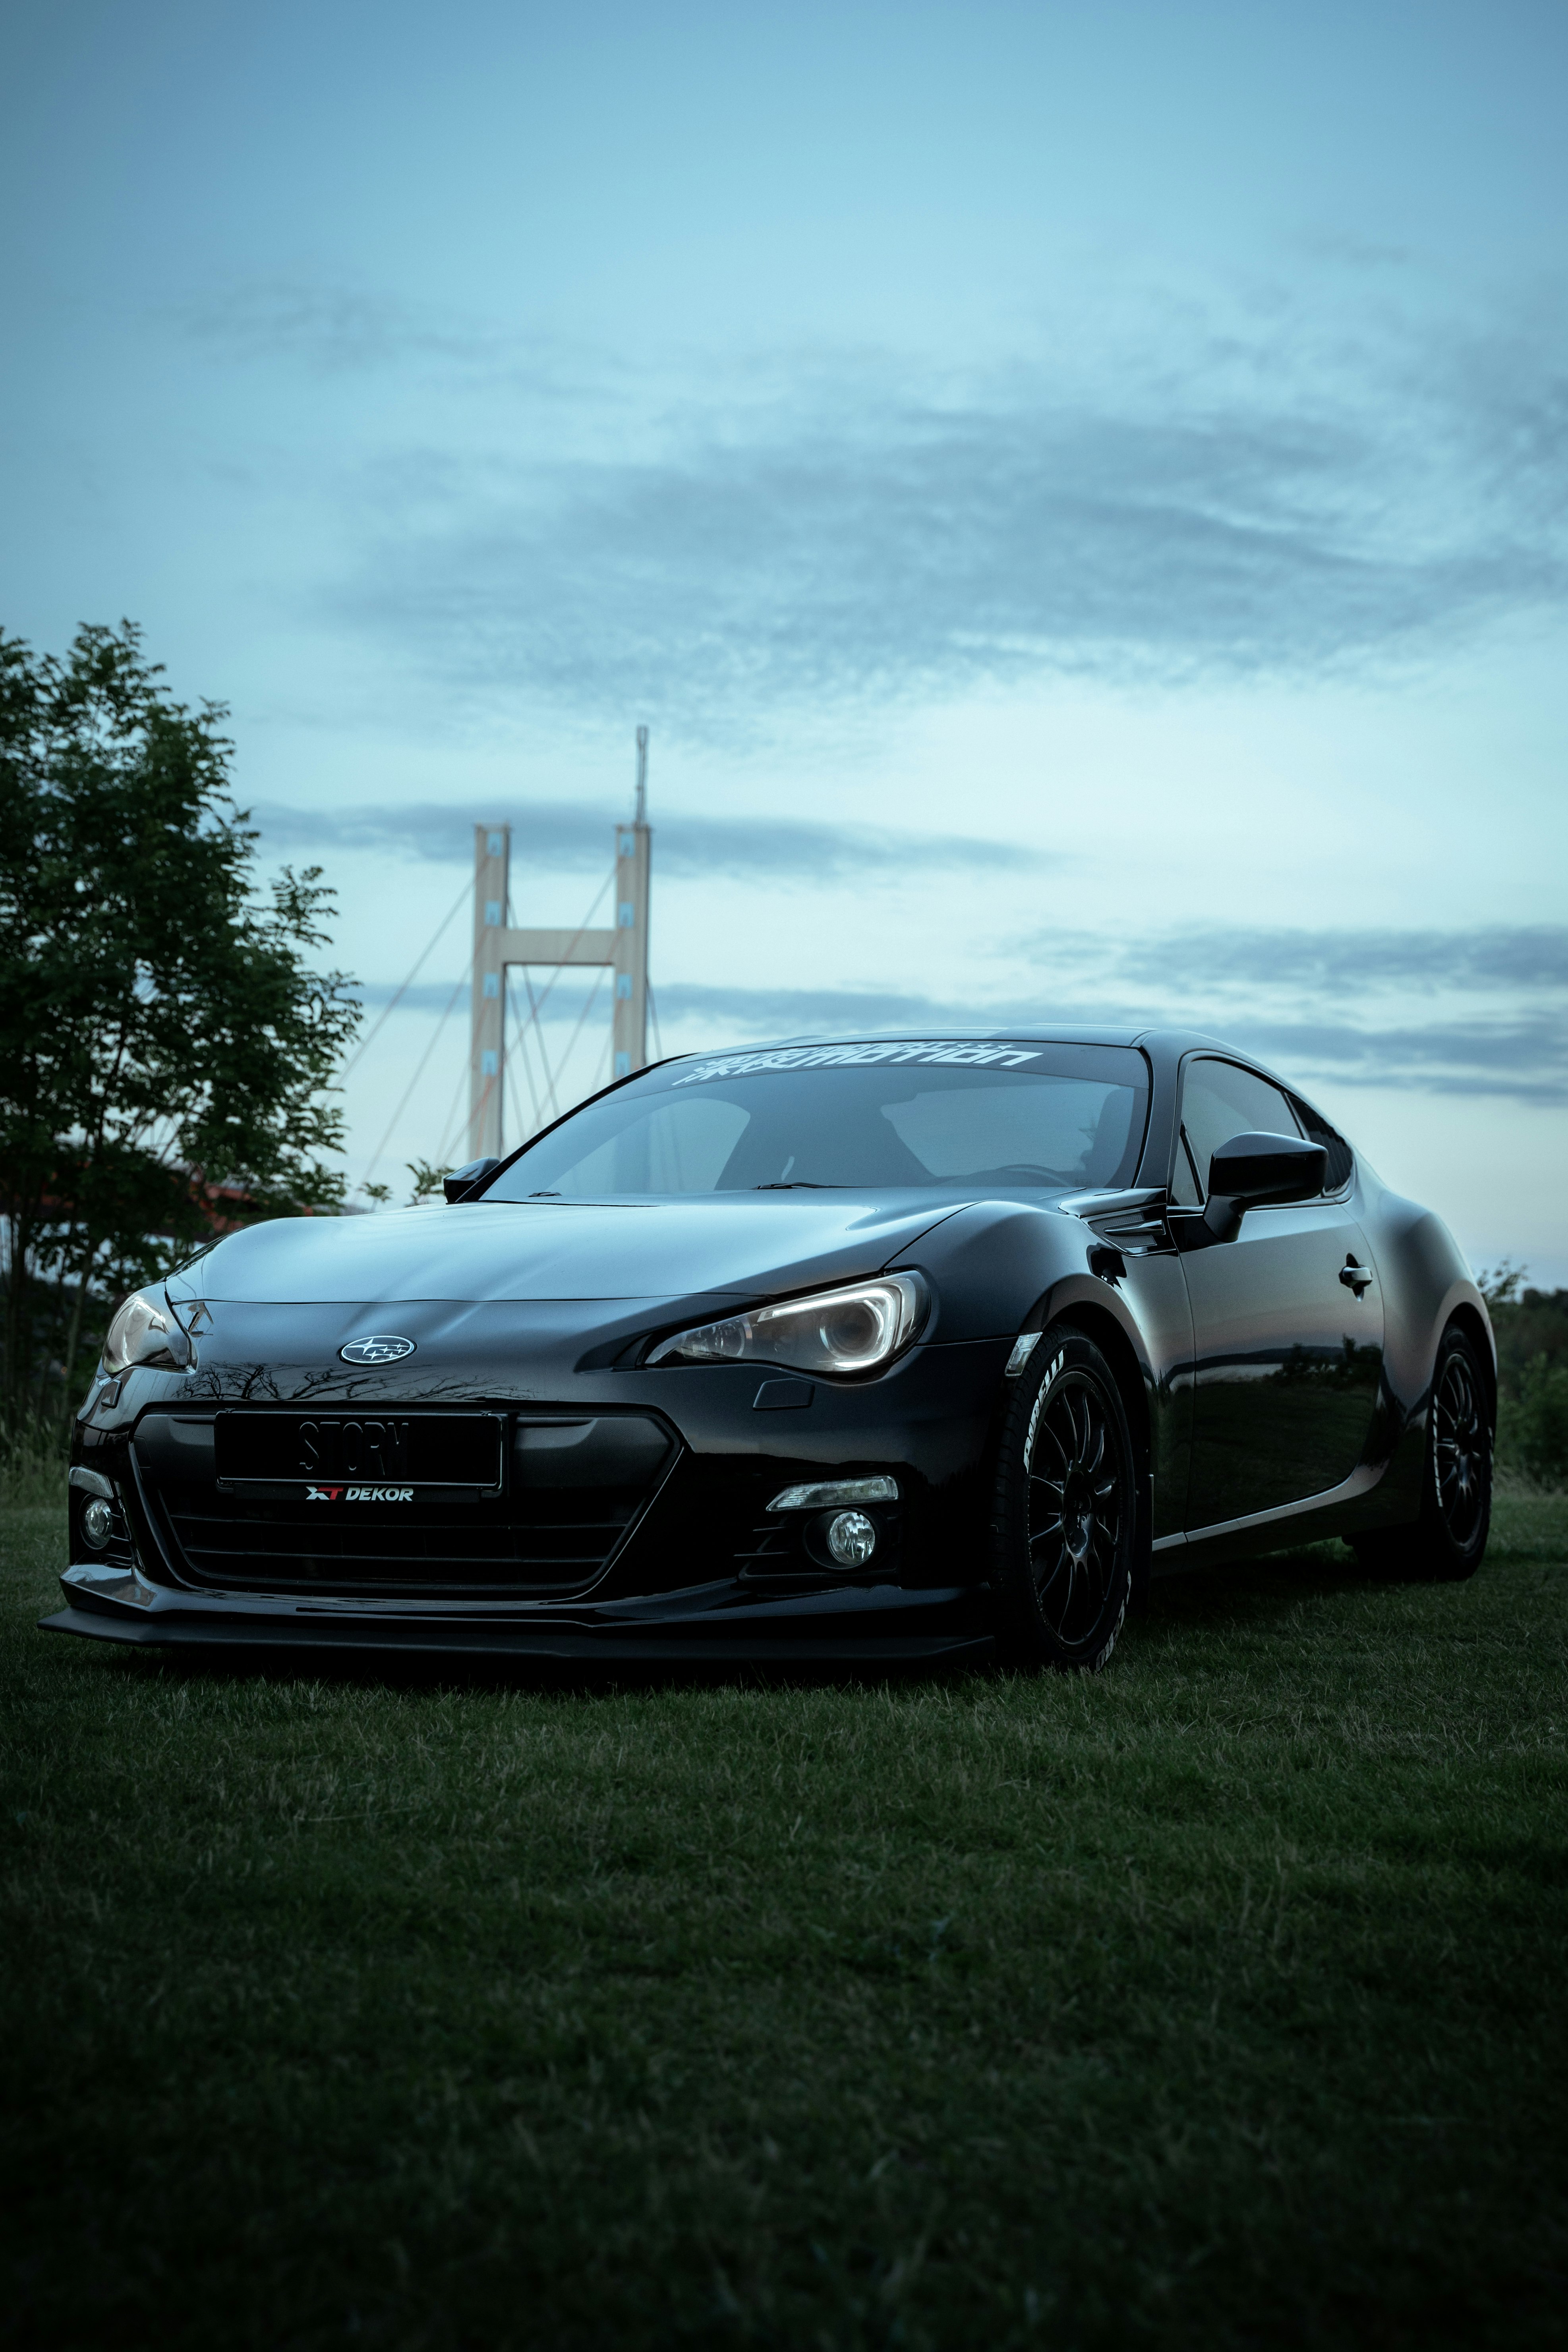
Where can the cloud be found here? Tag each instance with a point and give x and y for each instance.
(566, 836)
(331, 330)
(1280, 995)
(1353, 252)
(1526, 1058)
(1304, 999)
(1246, 492)
(892, 539)
(792, 1012)
(1237, 958)
(1520, 1055)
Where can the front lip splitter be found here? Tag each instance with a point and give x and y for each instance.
(719, 1623)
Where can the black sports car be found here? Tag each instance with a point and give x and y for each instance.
(888, 1347)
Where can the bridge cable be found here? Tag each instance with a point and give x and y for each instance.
(465, 981)
(368, 1040)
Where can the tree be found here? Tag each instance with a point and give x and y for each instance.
(161, 1030)
(1531, 1328)
(1498, 1285)
(427, 1179)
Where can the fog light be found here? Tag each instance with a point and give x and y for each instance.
(97, 1523)
(851, 1538)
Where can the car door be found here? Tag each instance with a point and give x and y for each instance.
(1286, 1318)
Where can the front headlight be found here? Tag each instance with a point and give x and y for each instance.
(857, 1330)
(143, 1332)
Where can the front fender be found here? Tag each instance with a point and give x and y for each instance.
(993, 1262)
(1001, 1269)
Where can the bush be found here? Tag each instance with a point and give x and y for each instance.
(1531, 1332)
(1529, 1328)
(33, 1450)
(1532, 1426)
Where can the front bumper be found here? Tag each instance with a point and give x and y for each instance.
(696, 1577)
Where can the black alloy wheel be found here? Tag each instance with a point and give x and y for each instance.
(1448, 1540)
(1065, 1523)
(1461, 1450)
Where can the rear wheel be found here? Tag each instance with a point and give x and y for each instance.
(1447, 1542)
(1065, 1516)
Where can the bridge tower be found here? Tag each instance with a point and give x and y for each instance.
(622, 947)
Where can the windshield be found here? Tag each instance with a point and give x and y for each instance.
(1000, 1113)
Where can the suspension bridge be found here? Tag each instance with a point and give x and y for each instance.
(511, 1085)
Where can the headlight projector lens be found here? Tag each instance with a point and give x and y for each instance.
(857, 1330)
(851, 1538)
(97, 1523)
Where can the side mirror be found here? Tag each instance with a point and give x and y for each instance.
(462, 1181)
(1256, 1172)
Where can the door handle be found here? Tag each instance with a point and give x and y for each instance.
(1354, 1277)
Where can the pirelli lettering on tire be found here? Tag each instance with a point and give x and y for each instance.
(1049, 1374)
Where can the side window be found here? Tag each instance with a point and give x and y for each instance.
(1219, 1100)
(1185, 1193)
(1316, 1129)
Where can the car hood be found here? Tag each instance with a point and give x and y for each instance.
(728, 1242)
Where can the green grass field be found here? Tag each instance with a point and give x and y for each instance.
(1216, 2002)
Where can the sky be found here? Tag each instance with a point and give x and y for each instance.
(1079, 494)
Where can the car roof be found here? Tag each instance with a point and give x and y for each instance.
(1055, 1033)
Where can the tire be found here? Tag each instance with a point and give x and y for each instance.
(1449, 1541)
(1064, 1522)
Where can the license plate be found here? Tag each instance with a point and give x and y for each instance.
(364, 1450)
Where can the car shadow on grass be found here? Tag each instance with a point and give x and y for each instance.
(1265, 1587)
(573, 1678)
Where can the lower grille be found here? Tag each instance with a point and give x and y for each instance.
(575, 1486)
(474, 1551)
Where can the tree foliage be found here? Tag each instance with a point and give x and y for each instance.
(429, 1178)
(1532, 1331)
(162, 1029)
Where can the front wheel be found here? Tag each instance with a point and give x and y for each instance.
(1064, 1521)
(1448, 1542)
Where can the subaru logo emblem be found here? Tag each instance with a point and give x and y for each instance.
(381, 1347)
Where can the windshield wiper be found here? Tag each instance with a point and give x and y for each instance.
(799, 1184)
